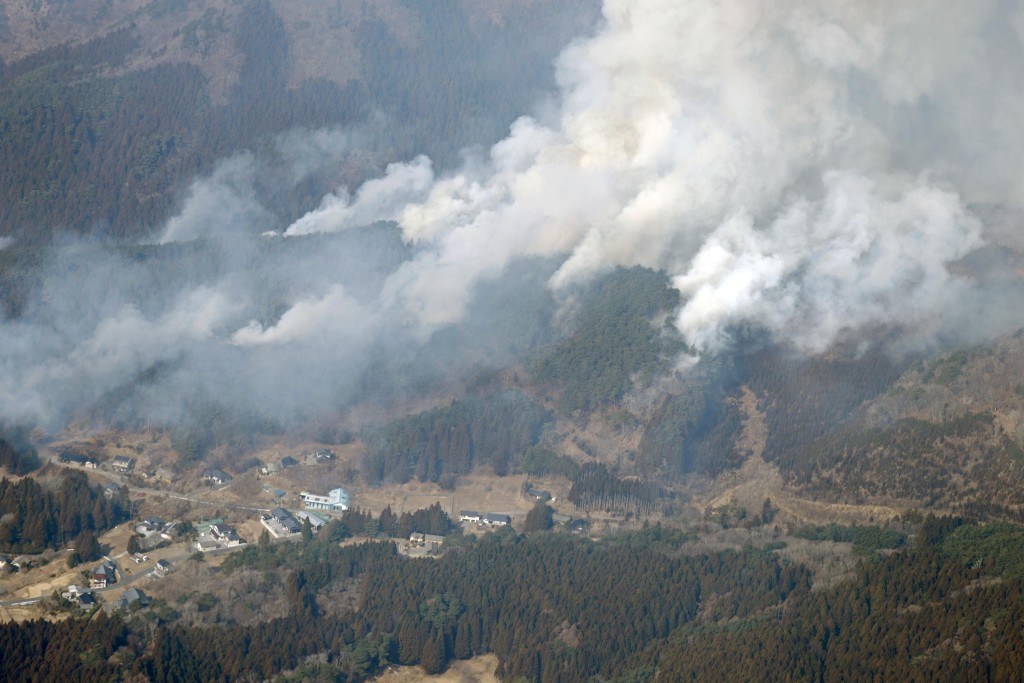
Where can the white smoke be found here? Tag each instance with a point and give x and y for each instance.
(377, 199)
(813, 169)
(220, 204)
(327, 318)
(802, 166)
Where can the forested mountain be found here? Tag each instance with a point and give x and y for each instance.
(107, 111)
(740, 296)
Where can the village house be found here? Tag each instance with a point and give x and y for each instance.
(336, 500)
(162, 568)
(318, 456)
(111, 489)
(69, 458)
(122, 463)
(469, 516)
(280, 523)
(216, 477)
(103, 575)
(77, 595)
(132, 596)
(315, 522)
(225, 535)
(495, 519)
(539, 494)
(579, 526)
(431, 542)
(153, 523)
(286, 520)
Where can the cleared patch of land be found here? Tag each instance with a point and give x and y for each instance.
(477, 670)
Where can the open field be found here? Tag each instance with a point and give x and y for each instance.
(476, 670)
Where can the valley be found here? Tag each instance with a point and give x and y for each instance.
(617, 341)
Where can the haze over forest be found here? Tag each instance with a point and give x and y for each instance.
(252, 203)
(710, 310)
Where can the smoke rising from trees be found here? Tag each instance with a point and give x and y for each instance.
(816, 171)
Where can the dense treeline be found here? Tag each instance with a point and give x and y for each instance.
(804, 399)
(614, 344)
(17, 455)
(695, 430)
(540, 461)
(558, 608)
(35, 518)
(905, 617)
(68, 650)
(430, 520)
(996, 548)
(64, 141)
(967, 463)
(491, 430)
(597, 488)
(865, 538)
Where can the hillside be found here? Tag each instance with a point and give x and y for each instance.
(948, 434)
(616, 340)
(119, 105)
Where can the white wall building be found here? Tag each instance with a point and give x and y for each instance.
(336, 500)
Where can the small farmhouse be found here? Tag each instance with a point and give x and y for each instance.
(216, 477)
(122, 463)
(281, 522)
(469, 516)
(539, 494)
(154, 523)
(495, 519)
(315, 522)
(69, 458)
(132, 596)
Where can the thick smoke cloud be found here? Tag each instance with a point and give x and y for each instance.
(820, 171)
(804, 167)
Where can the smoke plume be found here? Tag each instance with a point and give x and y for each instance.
(804, 167)
(816, 170)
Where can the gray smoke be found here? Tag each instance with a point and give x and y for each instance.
(804, 167)
(817, 170)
